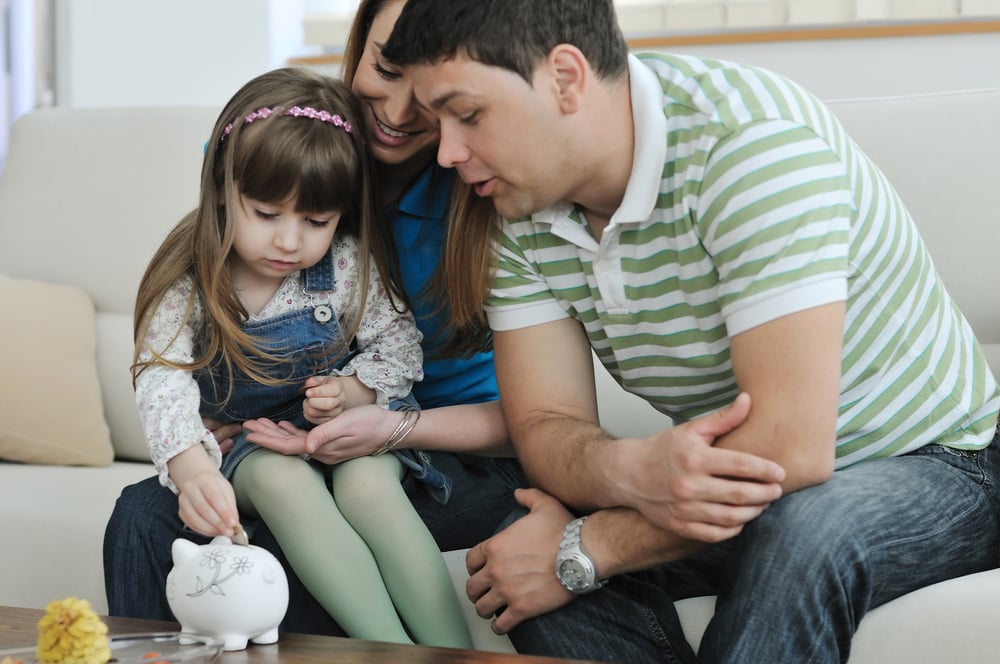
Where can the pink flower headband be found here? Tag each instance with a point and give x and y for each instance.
(296, 111)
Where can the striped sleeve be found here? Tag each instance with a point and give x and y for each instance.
(774, 213)
(521, 296)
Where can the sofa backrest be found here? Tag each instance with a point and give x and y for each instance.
(86, 197)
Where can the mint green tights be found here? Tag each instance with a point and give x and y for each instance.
(363, 553)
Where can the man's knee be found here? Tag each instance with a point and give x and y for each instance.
(812, 523)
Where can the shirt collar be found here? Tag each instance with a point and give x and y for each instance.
(650, 127)
(429, 195)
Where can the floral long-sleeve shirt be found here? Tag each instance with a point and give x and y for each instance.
(388, 360)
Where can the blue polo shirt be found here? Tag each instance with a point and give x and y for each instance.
(418, 226)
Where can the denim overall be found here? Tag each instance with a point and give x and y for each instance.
(303, 340)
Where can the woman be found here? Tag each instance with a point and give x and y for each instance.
(458, 395)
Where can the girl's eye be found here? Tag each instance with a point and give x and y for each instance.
(265, 215)
(318, 223)
(469, 119)
(385, 73)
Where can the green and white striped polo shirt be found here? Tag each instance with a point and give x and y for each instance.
(747, 202)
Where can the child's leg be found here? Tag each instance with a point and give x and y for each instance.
(371, 498)
(330, 558)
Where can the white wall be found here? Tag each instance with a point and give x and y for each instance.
(182, 52)
(836, 69)
(136, 52)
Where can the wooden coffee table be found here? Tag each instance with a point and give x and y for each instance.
(19, 627)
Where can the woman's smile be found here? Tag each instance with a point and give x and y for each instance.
(389, 135)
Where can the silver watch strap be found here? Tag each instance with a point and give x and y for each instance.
(572, 539)
(571, 534)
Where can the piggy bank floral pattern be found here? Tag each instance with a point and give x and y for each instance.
(215, 559)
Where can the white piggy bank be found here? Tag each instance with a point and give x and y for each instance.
(236, 593)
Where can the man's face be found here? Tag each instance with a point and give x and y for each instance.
(500, 133)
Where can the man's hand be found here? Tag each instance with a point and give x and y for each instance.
(681, 482)
(513, 572)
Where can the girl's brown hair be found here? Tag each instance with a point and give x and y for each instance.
(276, 159)
(463, 277)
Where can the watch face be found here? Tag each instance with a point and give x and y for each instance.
(572, 573)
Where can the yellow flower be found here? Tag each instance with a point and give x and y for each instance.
(71, 633)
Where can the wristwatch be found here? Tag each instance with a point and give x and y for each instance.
(574, 568)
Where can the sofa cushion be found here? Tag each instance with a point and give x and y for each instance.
(114, 357)
(53, 530)
(52, 413)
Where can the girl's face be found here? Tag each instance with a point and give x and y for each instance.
(398, 130)
(271, 241)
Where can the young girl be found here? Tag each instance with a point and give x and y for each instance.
(461, 425)
(265, 291)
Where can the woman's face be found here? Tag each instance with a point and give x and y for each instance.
(398, 130)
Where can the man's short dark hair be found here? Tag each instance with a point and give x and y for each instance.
(512, 34)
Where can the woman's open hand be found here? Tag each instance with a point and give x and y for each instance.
(354, 433)
(283, 437)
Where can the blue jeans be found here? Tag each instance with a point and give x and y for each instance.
(793, 586)
(144, 524)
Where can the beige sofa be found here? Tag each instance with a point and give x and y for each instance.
(87, 195)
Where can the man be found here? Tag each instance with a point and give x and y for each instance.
(711, 232)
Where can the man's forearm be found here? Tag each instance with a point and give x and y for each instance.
(677, 478)
(621, 540)
(546, 378)
(563, 456)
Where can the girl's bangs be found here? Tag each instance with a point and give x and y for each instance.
(300, 159)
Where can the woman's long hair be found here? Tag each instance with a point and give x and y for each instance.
(461, 282)
(275, 159)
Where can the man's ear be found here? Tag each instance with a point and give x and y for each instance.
(571, 74)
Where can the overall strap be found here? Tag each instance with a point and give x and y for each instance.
(319, 277)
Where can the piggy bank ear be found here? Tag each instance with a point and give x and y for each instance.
(221, 539)
(183, 550)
